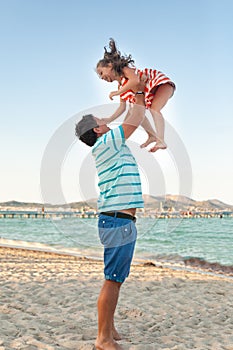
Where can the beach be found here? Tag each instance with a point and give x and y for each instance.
(48, 301)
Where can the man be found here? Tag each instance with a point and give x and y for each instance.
(120, 196)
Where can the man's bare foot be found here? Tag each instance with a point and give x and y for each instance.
(115, 334)
(158, 145)
(150, 139)
(108, 345)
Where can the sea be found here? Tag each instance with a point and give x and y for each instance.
(173, 241)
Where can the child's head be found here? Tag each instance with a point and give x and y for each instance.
(112, 64)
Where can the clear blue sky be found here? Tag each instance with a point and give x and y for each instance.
(49, 49)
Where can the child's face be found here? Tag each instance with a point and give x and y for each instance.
(106, 73)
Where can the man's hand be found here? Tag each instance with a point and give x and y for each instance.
(142, 77)
(140, 86)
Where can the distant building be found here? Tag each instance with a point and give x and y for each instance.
(160, 206)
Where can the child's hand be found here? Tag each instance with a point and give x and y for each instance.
(113, 93)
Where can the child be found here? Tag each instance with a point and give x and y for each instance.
(158, 89)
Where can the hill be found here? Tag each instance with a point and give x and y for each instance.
(167, 202)
(184, 203)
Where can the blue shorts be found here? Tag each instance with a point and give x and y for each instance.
(118, 237)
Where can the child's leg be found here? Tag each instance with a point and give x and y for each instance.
(150, 131)
(162, 95)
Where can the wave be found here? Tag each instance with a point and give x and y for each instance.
(188, 263)
(10, 243)
(208, 266)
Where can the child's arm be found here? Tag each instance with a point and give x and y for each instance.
(120, 110)
(133, 80)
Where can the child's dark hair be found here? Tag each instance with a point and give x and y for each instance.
(114, 57)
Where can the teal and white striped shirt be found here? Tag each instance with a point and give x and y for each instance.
(119, 179)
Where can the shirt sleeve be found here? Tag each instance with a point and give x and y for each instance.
(115, 138)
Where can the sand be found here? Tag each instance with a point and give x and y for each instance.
(48, 302)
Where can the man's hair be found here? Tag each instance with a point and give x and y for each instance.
(89, 138)
(84, 130)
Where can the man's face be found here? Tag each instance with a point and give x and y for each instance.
(103, 128)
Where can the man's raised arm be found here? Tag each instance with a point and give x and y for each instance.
(136, 116)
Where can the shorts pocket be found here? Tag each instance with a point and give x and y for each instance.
(106, 230)
(129, 233)
(114, 233)
(106, 236)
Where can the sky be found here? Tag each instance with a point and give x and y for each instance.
(49, 50)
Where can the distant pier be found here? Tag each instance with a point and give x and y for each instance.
(56, 215)
(20, 214)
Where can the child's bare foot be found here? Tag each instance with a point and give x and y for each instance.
(150, 139)
(115, 334)
(158, 145)
(108, 345)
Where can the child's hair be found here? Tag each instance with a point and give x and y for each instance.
(114, 57)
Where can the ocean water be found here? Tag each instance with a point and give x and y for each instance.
(210, 239)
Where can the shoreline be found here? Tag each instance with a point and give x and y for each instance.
(172, 269)
(190, 263)
(48, 302)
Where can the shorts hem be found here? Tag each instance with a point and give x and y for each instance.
(114, 279)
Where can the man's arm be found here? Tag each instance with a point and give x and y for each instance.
(135, 117)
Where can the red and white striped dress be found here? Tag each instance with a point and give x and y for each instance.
(154, 79)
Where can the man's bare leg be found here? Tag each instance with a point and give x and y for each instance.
(115, 334)
(107, 303)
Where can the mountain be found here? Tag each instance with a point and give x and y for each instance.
(213, 204)
(184, 203)
(92, 203)
(177, 202)
(16, 204)
(169, 201)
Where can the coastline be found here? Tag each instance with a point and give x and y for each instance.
(188, 263)
(49, 302)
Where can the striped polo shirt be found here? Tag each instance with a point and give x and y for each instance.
(119, 179)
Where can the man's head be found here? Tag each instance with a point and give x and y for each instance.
(89, 129)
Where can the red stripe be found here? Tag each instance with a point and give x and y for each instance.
(155, 78)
